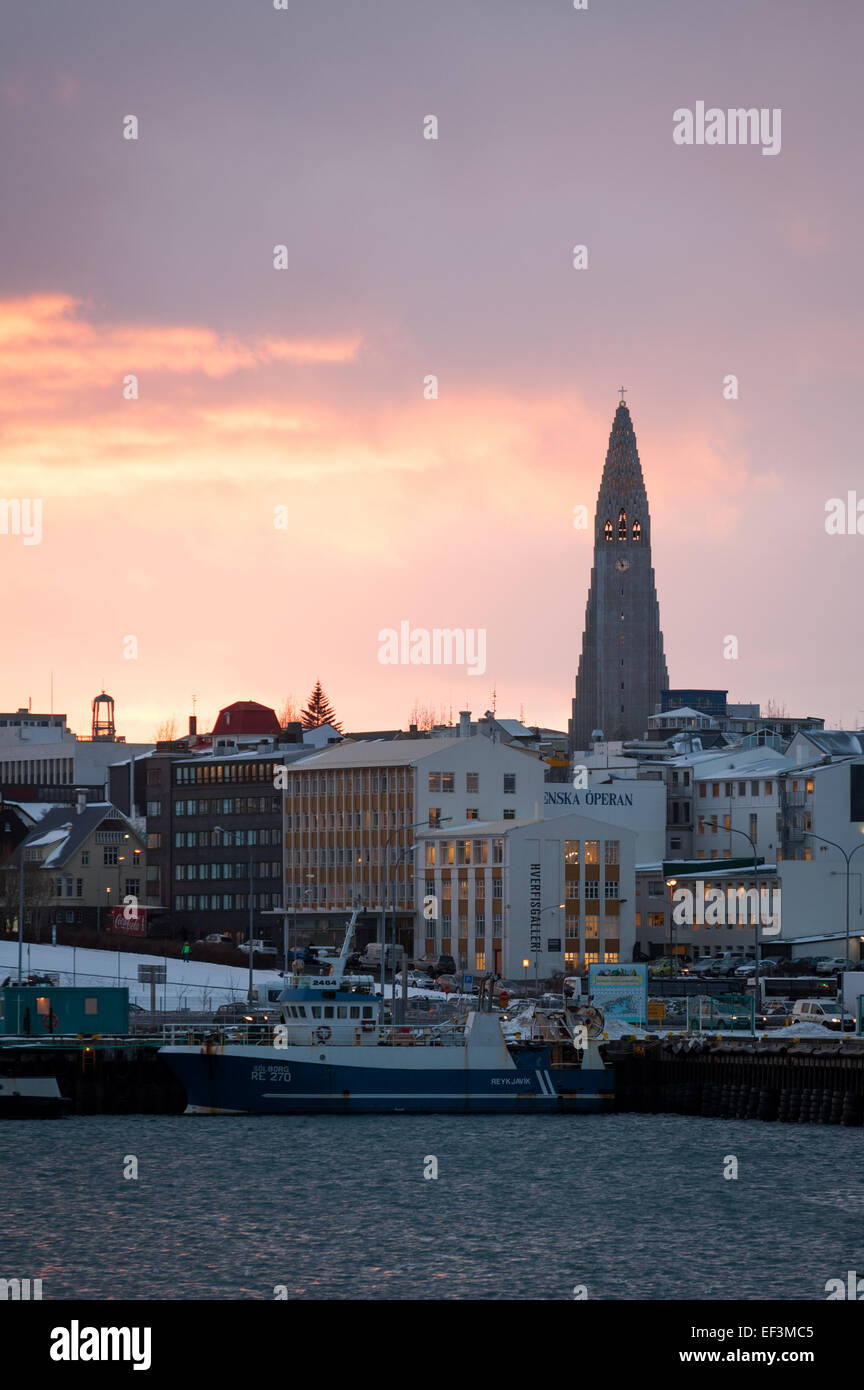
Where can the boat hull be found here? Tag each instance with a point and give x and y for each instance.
(271, 1081)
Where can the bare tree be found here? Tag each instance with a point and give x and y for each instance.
(289, 713)
(166, 731)
(774, 710)
(426, 716)
(38, 895)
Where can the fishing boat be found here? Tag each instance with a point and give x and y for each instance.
(335, 1052)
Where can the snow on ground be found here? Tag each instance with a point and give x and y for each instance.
(197, 985)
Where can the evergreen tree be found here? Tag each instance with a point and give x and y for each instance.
(319, 711)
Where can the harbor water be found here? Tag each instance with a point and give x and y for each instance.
(626, 1206)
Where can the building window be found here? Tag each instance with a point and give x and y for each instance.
(611, 888)
(622, 525)
(448, 781)
(508, 814)
(592, 848)
(434, 781)
(472, 783)
(611, 851)
(754, 829)
(434, 815)
(608, 530)
(592, 888)
(85, 858)
(109, 855)
(472, 813)
(637, 535)
(154, 808)
(509, 783)
(571, 853)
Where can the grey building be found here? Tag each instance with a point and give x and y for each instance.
(622, 670)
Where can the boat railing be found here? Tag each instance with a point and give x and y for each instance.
(266, 1035)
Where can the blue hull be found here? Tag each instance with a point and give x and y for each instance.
(250, 1084)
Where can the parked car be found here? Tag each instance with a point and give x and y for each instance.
(447, 983)
(743, 972)
(822, 1011)
(436, 965)
(259, 948)
(834, 965)
(31, 980)
(219, 938)
(416, 980)
(371, 957)
(703, 966)
(661, 966)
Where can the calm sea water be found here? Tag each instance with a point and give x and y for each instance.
(632, 1206)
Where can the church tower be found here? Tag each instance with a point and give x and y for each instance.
(622, 669)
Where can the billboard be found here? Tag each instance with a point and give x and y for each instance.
(621, 991)
(131, 920)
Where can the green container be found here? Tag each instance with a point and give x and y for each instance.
(47, 1011)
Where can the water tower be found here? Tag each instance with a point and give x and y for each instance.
(103, 717)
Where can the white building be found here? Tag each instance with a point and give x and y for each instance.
(559, 893)
(353, 812)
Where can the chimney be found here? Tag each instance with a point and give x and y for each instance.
(464, 723)
(193, 724)
(80, 800)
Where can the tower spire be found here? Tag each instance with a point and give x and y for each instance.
(622, 669)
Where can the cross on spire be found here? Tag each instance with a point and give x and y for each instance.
(623, 394)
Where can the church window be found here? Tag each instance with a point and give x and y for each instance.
(637, 530)
(622, 525)
(607, 530)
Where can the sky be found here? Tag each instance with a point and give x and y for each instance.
(284, 488)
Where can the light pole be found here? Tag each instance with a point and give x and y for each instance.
(441, 820)
(673, 956)
(21, 918)
(848, 857)
(756, 998)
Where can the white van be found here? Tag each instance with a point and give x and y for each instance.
(823, 1011)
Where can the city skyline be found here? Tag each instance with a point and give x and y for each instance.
(408, 257)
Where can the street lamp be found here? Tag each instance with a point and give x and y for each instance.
(673, 957)
(848, 857)
(730, 829)
(550, 907)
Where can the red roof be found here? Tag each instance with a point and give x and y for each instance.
(246, 717)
